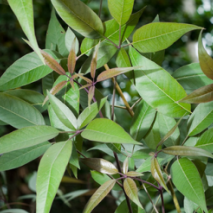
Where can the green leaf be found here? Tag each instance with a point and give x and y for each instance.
(64, 114)
(206, 141)
(23, 10)
(99, 195)
(132, 191)
(201, 118)
(26, 137)
(159, 35)
(191, 77)
(18, 113)
(157, 173)
(90, 113)
(50, 172)
(21, 157)
(201, 95)
(100, 165)
(142, 120)
(69, 38)
(142, 153)
(121, 10)
(206, 62)
(133, 174)
(157, 87)
(106, 131)
(80, 17)
(72, 58)
(13, 211)
(125, 167)
(123, 208)
(187, 180)
(187, 151)
(24, 71)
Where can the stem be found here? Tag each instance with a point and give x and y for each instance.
(116, 181)
(76, 133)
(81, 153)
(121, 107)
(143, 181)
(185, 140)
(127, 45)
(119, 36)
(113, 101)
(111, 41)
(136, 103)
(99, 13)
(162, 201)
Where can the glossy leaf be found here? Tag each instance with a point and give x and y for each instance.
(23, 10)
(125, 166)
(132, 191)
(13, 211)
(142, 120)
(187, 180)
(187, 151)
(18, 113)
(94, 61)
(121, 10)
(21, 157)
(206, 141)
(191, 77)
(80, 17)
(201, 95)
(72, 58)
(156, 86)
(69, 38)
(206, 62)
(64, 114)
(50, 172)
(159, 35)
(133, 174)
(200, 119)
(100, 165)
(157, 173)
(91, 94)
(26, 137)
(106, 131)
(90, 113)
(25, 70)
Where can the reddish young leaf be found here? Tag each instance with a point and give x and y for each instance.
(84, 78)
(94, 61)
(85, 86)
(72, 58)
(91, 94)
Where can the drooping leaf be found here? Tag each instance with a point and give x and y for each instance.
(26, 137)
(106, 131)
(132, 191)
(18, 113)
(23, 10)
(100, 165)
(159, 35)
(99, 195)
(64, 114)
(50, 172)
(72, 57)
(206, 62)
(157, 87)
(121, 10)
(21, 157)
(157, 173)
(187, 180)
(200, 119)
(80, 17)
(187, 151)
(126, 166)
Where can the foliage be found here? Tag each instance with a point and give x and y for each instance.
(156, 159)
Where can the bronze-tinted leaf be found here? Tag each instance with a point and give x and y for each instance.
(187, 151)
(157, 174)
(201, 95)
(133, 174)
(100, 165)
(206, 62)
(52, 63)
(85, 86)
(72, 58)
(67, 179)
(94, 61)
(84, 78)
(126, 165)
(91, 94)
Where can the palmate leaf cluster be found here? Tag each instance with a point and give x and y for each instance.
(156, 160)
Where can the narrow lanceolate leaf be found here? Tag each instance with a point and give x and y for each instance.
(52, 63)
(18, 113)
(21, 157)
(50, 172)
(133, 174)
(157, 87)
(55, 89)
(84, 78)
(99, 195)
(80, 17)
(72, 57)
(159, 35)
(26, 137)
(157, 174)
(132, 191)
(126, 165)
(187, 151)
(94, 61)
(186, 178)
(91, 94)
(23, 10)
(121, 10)
(100, 165)
(106, 131)
(201, 95)
(113, 73)
(69, 39)
(64, 114)
(206, 62)
(206, 141)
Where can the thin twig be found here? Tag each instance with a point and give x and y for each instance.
(99, 13)
(185, 140)
(113, 101)
(143, 181)
(119, 36)
(110, 41)
(136, 103)
(120, 107)
(162, 201)
(127, 45)
(81, 153)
